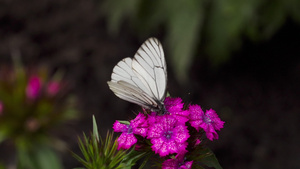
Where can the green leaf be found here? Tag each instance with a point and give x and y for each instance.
(210, 160)
(145, 160)
(132, 157)
(40, 157)
(184, 26)
(124, 122)
(116, 11)
(2, 135)
(99, 153)
(2, 166)
(95, 129)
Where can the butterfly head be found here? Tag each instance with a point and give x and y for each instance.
(160, 109)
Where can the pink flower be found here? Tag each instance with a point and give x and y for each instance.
(53, 88)
(197, 142)
(177, 163)
(175, 108)
(208, 121)
(137, 126)
(126, 139)
(152, 117)
(196, 115)
(33, 87)
(167, 135)
(1, 107)
(140, 125)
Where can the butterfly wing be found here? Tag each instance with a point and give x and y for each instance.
(142, 80)
(150, 67)
(130, 93)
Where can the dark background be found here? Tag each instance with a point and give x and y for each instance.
(256, 92)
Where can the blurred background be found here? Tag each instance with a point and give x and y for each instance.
(241, 58)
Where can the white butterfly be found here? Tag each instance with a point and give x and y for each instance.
(142, 79)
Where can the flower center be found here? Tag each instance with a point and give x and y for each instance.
(207, 119)
(168, 134)
(129, 129)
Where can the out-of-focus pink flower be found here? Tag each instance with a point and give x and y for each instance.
(53, 88)
(1, 107)
(168, 135)
(32, 124)
(208, 121)
(33, 87)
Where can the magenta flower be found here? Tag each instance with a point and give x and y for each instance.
(1, 107)
(33, 87)
(208, 121)
(196, 115)
(126, 139)
(53, 88)
(167, 135)
(140, 125)
(152, 117)
(197, 142)
(175, 108)
(177, 163)
(137, 126)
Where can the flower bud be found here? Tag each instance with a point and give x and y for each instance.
(33, 87)
(1, 107)
(53, 88)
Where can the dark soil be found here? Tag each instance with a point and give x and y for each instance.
(256, 93)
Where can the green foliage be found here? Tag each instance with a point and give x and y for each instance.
(103, 154)
(203, 156)
(209, 159)
(133, 156)
(2, 166)
(38, 157)
(220, 24)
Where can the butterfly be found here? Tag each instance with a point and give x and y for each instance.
(142, 79)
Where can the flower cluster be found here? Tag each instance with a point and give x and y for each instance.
(169, 133)
(34, 103)
(31, 102)
(35, 85)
